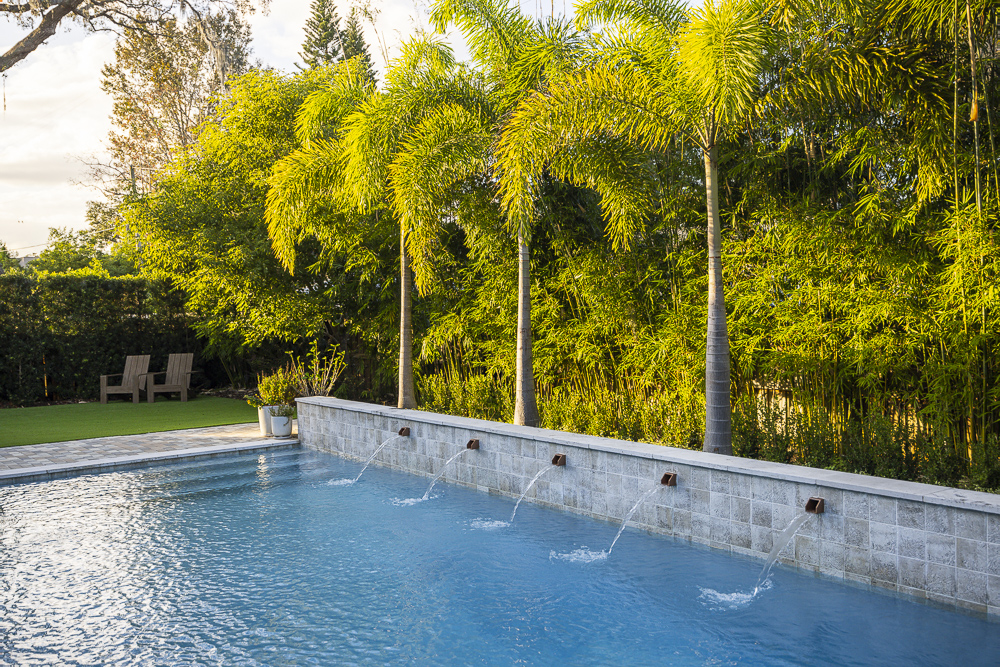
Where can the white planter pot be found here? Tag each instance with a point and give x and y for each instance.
(264, 419)
(281, 427)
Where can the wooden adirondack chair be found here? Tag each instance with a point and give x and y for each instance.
(133, 379)
(178, 377)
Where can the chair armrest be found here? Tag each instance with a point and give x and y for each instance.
(112, 375)
(157, 373)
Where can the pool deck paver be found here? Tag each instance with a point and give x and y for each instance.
(33, 462)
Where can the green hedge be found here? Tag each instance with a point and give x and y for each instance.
(60, 332)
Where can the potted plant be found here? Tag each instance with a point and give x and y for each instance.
(276, 393)
(281, 420)
(263, 416)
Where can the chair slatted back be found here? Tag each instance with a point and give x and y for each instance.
(134, 367)
(179, 367)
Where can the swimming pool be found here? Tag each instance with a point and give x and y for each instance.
(272, 560)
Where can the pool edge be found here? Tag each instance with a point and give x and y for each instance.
(134, 461)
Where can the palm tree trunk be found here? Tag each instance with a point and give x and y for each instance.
(718, 416)
(525, 408)
(407, 397)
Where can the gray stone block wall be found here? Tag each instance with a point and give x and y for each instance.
(922, 540)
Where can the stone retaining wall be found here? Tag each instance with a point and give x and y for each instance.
(928, 541)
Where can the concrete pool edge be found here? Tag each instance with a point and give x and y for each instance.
(926, 541)
(134, 461)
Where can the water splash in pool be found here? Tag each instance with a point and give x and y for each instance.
(581, 555)
(740, 599)
(374, 454)
(488, 524)
(584, 555)
(406, 502)
(427, 493)
(528, 488)
(786, 536)
(737, 600)
(630, 513)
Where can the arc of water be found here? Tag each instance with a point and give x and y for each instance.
(427, 493)
(631, 512)
(374, 454)
(784, 538)
(528, 488)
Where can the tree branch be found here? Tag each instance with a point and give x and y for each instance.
(46, 28)
(7, 8)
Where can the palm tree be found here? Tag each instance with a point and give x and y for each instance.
(365, 153)
(517, 57)
(663, 72)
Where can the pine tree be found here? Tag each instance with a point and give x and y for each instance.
(354, 42)
(323, 40)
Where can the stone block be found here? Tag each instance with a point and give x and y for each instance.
(781, 516)
(721, 482)
(761, 539)
(741, 486)
(882, 509)
(680, 498)
(856, 533)
(740, 508)
(884, 568)
(941, 549)
(993, 589)
(832, 556)
(910, 514)
(699, 479)
(760, 513)
(834, 501)
(971, 586)
(941, 580)
(832, 528)
(664, 518)
(857, 562)
(740, 535)
(701, 527)
(970, 525)
(912, 572)
(806, 550)
(993, 528)
(783, 493)
(615, 463)
(613, 484)
(682, 523)
(700, 501)
(911, 543)
(720, 506)
(631, 486)
(971, 554)
(761, 489)
(882, 537)
(993, 559)
(939, 519)
(720, 530)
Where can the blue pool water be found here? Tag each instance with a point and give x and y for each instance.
(264, 561)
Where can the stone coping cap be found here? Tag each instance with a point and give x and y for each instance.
(899, 489)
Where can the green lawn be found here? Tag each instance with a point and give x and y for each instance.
(55, 423)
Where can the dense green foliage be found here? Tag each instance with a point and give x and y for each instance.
(204, 228)
(59, 332)
(858, 207)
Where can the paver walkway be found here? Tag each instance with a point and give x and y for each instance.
(117, 446)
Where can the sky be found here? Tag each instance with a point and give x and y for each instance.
(57, 117)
